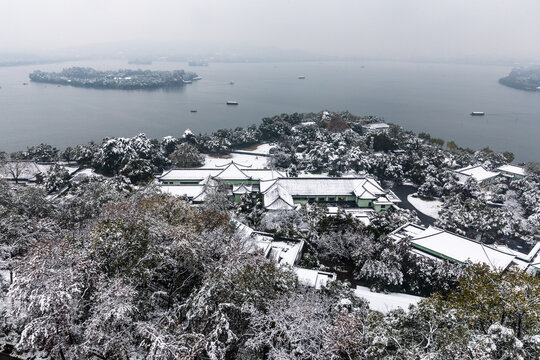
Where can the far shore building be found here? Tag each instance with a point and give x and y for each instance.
(436, 243)
(512, 171)
(477, 172)
(375, 128)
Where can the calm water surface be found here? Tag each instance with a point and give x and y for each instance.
(434, 98)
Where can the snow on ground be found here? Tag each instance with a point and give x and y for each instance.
(430, 208)
(254, 161)
(386, 302)
(309, 174)
(86, 172)
(261, 149)
(409, 183)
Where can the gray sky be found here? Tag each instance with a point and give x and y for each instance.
(442, 29)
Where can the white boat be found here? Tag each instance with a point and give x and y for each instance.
(198, 63)
(230, 102)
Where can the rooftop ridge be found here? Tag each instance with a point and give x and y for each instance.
(232, 164)
(323, 178)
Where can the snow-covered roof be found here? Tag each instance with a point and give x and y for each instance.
(232, 172)
(191, 191)
(382, 200)
(286, 188)
(263, 174)
(408, 230)
(368, 189)
(512, 169)
(242, 189)
(242, 230)
(454, 247)
(227, 164)
(266, 184)
(285, 252)
(386, 302)
(307, 123)
(277, 198)
(376, 126)
(361, 214)
(188, 174)
(477, 172)
(363, 188)
(314, 278)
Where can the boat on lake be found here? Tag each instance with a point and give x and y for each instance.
(231, 82)
(478, 113)
(301, 77)
(230, 102)
(140, 62)
(193, 111)
(198, 63)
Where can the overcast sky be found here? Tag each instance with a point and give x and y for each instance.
(450, 29)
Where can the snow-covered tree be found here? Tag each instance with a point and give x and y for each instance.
(186, 155)
(57, 178)
(293, 327)
(42, 153)
(508, 298)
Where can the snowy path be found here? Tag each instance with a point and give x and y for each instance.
(254, 161)
(386, 302)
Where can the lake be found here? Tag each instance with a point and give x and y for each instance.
(422, 97)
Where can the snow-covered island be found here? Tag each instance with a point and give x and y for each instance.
(523, 78)
(119, 79)
(284, 240)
